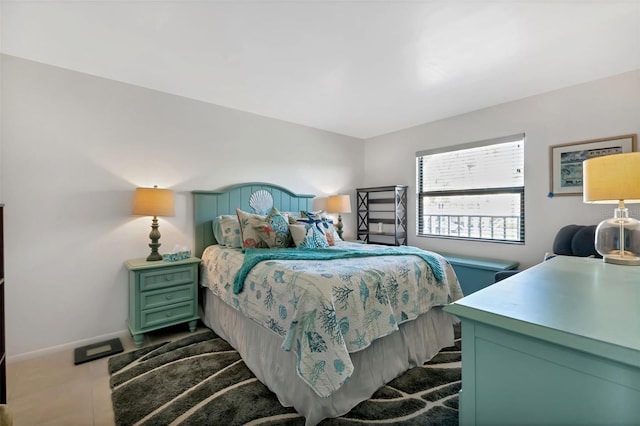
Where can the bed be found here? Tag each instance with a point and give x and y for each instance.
(325, 328)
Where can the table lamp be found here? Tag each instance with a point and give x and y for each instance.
(339, 204)
(615, 179)
(153, 202)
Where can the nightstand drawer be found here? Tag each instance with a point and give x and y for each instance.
(168, 296)
(168, 315)
(160, 278)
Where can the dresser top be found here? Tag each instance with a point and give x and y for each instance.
(135, 264)
(582, 303)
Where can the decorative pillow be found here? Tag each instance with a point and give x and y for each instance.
(230, 229)
(583, 242)
(576, 240)
(275, 230)
(217, 231)
(562, 242)
(331, 225)
(291, 215)
(307, 236)
(248, 224)
(324, 224)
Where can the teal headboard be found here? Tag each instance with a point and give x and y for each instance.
(207, 205)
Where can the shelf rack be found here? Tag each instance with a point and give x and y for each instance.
(382, 215)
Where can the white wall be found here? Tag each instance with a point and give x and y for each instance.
(74, 147)
(603, 108)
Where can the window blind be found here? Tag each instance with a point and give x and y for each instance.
(472, 190)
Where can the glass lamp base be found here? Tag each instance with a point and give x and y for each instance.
(618, 239)
(627, 259)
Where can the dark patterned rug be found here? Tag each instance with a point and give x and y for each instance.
(201, 380)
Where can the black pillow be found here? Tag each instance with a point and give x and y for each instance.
(562, 242)
(583, 242)
(576, 240)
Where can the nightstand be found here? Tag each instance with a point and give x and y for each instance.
(162, 294)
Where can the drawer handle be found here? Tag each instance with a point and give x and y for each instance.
(169, 296)
(169, 314)
(168, 277)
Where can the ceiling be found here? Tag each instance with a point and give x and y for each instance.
(359, 68)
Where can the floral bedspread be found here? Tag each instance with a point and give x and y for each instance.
(326, 309)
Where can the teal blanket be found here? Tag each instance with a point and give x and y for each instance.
(254, 256)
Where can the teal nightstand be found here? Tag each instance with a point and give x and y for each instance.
(162, 294)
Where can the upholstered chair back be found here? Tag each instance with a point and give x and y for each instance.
(576, 240)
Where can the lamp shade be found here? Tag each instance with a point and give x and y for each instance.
(339, 204)
(612, 178)
(153, 202)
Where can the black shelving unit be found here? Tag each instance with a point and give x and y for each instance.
(382, 215)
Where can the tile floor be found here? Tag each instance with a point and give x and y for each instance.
(51, 390)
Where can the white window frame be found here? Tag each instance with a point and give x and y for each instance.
(448, 225)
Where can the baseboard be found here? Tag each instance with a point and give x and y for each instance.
(66, 347)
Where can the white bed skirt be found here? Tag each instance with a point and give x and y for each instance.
(417, 342)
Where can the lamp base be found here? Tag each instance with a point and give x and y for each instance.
(618, 239)
(627, 259)
(339, 226)
(155, 237)
(154, 256)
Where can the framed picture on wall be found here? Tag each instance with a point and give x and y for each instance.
(566, 160)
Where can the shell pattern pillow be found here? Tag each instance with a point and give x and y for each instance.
(248, 224)
(275, 230)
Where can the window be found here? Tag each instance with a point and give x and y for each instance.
(472, 191)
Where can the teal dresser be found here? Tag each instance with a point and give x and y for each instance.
(162, 294)
(558, 343)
